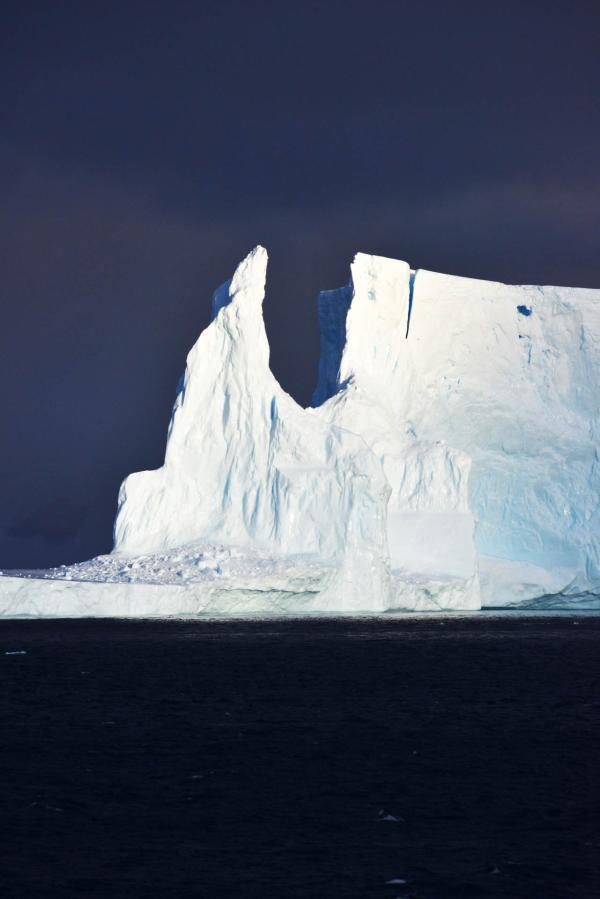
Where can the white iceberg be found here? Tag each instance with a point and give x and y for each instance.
(449, 461)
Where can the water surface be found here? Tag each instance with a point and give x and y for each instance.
(269, 758)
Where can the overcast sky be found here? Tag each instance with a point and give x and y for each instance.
(146, 147)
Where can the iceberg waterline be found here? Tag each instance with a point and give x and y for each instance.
(449, 461)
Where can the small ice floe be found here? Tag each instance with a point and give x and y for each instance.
(396, 881)
(383, 816)
(37, 803)
(16, 652)
(495, 870)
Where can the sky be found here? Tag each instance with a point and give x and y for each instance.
(146, 147)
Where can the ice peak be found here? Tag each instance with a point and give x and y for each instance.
(247, 286)
(251, 274)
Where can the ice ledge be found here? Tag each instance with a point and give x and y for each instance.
(22, 597)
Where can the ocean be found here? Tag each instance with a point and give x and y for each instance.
(404, 756)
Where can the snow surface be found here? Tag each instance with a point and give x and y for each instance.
(448, 461)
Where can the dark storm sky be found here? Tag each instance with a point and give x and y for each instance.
(146, 147)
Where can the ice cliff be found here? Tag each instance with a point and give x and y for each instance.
(482, 401)
(449, 460)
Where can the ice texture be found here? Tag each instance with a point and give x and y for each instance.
(448, 461)
(519, 394)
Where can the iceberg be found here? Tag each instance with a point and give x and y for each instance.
(448, 462)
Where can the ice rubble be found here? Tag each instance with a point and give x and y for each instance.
(449, 460)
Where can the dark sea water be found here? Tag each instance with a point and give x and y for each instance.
(263, 758)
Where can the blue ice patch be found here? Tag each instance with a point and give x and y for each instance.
(524, 310)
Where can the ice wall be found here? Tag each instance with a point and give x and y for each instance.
(513, 379)
(482, 401)
(333, 306)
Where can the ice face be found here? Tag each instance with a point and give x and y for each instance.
(333, 309)
(518, 393)
(498, 388)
